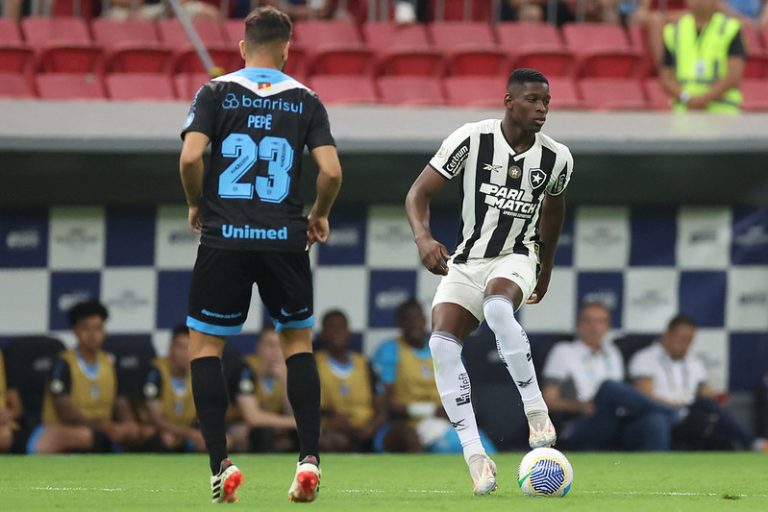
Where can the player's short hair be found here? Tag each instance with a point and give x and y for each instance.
(266, 25)
(85, 309)
(680, 319)
(334, 313)
(404, 306)
(178, 330)
(523, 75)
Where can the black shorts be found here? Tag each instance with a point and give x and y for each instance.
(222, 281)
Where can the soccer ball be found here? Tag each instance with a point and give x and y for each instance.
(545, 472)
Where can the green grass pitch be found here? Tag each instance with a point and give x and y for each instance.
(616, 482)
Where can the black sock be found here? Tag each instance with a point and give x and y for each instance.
(304, 395)
(210, 394)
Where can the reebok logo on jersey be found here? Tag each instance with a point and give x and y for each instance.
(492, 167)
(524, 383)
(248, 233)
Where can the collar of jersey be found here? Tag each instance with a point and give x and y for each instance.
(257, 75)
(516, 156)
(90, 370)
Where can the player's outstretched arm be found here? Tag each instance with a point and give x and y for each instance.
(328, 185)
(191, 168)
(552, 216)
(433, 254)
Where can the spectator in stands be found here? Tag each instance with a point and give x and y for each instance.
(535, 11)
(168, 395)
(10, 409)
(333, 325)
(585, 392)
(83, 410)
(303, 9)
(352, 411)
(669, 373)
(262, 417)
(156, 9)
(404, 366)
(704, 59)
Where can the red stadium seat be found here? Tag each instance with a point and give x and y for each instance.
(410, 90)
(475, 91)
(140, 87)
(612, 94)
(187, 84)
(470, 48)
(224, 57)
(234, 31)
(383, 36)
(603, 51)
(755, 95)
(638, 40)
(15, 85)
(64, 86)
(16, 57)
(172, 33)
(757, 56)
(657, 97)
(564, 94)
(334, 89)
(75, 58)
(536, 45)
(341, 61)
(39, 31)
(297, 62)
(131, 46)
(318, 34)
(9, 32)
(455, 35)
(416, 62)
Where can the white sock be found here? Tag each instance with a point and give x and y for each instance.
(455, 390)
(514, 349)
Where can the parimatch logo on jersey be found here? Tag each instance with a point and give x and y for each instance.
(509, 200)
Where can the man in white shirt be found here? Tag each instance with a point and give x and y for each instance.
(669, 373)
(584, 386)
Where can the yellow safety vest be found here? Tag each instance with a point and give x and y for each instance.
(348, 394)
(702, 58)
(178, 405)
(415, 380)
(92, 396)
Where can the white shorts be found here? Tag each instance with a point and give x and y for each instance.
(466, 282)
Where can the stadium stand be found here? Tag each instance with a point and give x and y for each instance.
(410, 90)
(69, 86)
(474, 91)
(755, 95)
(444, 50)
(335, 89)
(140, 87)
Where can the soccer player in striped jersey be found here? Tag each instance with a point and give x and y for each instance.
(513, 180)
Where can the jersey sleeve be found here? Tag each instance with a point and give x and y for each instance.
(384, 362)
(319, 133)
(61, 378)
(736, 48)
(560, 179)
(153, 384)
(452, 156)
(641, 365)
(202, 113)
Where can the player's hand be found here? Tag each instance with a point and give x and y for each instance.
(434, 256)
(317, 229)
(195, 219)
(545, 274)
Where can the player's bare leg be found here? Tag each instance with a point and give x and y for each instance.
(502, 298)
(452, 323)
(303, 385)
(210, 394)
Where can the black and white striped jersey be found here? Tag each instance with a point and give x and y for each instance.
(501, 191)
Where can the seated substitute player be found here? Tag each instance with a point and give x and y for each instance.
(351, 409)
(82, 396)
(584, 385)
(669, 373)
(10, 409)
(513, 180)
(262, 419)
(168, 397)
(405, 367)
(247, 205)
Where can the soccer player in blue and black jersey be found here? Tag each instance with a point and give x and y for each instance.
(247, 208)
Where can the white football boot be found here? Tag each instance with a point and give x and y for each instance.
(542, 431)
(224, 485)
(306, 483)
(483, 472)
